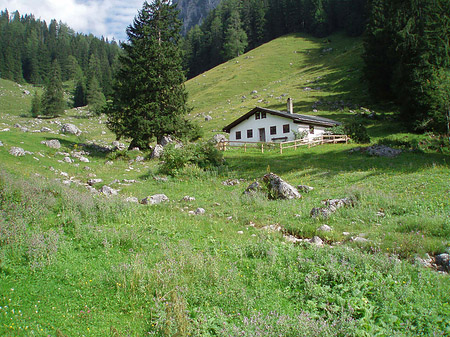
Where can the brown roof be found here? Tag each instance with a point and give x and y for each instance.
(297, 118)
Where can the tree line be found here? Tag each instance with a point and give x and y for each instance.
(237, 26)
(30, 50)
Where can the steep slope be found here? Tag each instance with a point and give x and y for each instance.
(319, 74)
(192, 12)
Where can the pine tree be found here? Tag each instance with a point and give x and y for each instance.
(53, 99)
(235, 36)
(35, 105)
(79, 96)
(95, 97)
(149, 98)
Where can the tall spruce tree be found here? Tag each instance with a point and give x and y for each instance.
(53, 99)
(149, 98)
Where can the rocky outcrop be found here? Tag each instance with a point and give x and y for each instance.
(154, 199)
(331, 206)
(53, 143)
(70, 129)
(192, 12)
(279, 189)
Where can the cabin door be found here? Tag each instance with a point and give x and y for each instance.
(262, 135)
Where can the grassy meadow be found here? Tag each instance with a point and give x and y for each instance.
(76, 263)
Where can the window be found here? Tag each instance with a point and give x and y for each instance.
(311, 129)
(249, 133)
(238, 135)
(257, 115)
(273, 130)
(263, 115)
(286, 128)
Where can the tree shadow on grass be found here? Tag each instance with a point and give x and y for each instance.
(327, 160)
(95, 150)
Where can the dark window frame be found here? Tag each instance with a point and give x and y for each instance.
(238, 135)
(257, 115)
(273, 130)
(286, 128)
(250, 133)
(263, 115)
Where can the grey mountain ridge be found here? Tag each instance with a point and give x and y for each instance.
(193, 12)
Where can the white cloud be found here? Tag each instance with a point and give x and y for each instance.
(108, 18)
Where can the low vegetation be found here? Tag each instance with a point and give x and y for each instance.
(76, 263)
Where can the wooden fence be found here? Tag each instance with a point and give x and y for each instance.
(319, 140)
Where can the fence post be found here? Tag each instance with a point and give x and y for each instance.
(295, 144)
(262, 147)
(281, 148)
(245, 147)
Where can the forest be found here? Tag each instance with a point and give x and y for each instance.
(29, 46)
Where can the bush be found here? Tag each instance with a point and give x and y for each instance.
(336, 130)
(203, 155)
(357, 131)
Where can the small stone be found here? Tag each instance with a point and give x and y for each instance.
(132, 199)
(200, 211)
(359, 239)
(229, 218)
(53, 143)
(240, 232)
(316, 241)
(188, 198)
(106, 190)
(92, 182)
(324, 228)
(68, 160)
(154, 199)
(70, 129)
(443, 260)
(305, 188)
(17, 151)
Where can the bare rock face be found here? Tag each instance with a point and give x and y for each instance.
(443, 260)
(279, 189)
(70, 129)
(53, 143)
(154, 199)
(383, 151)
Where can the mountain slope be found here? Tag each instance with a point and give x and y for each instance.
(321, 74)
(192, 12)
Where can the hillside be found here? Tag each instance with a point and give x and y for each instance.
(213, 261)
(321, 74)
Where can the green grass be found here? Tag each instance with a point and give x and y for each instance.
(74, 263)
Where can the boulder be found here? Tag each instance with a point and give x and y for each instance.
(188, 198)
(1, 144)
(45, 129)
(106, 190)
(154, 199)
(68, 160)
(53, 143)
(216, 139)
(200, 211)
(323, 212)
(208, 118)
(157, 151)
(338, 203)
(231, 182)
(165, 140)
(324, 228)
(70, 129)
(92, 182)
(132, 199)
(17, 151)
(118, 146)
(84, 159)
(383, 151)
(253, 188)
(316, 241)
(279, 189)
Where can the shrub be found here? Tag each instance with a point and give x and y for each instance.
(357, 131)
(336, 130)
(173, 159)
(206, 155)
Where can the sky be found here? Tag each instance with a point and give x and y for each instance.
(108, 18)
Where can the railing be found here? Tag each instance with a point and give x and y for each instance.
(319, 140)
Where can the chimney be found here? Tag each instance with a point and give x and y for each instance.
(290, 106)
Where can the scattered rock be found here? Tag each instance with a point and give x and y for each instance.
(253, 188)
(338, 203)
(1, 144)
(188, 198)
(53, 143)
(383, 151)
(279, 189)
(68, 160)
(129, 181)
(316, 241)
(92, 182)
(24, 129)
(240, 232)
(200, 211)
(84, 159)
(118, 146)
(324, 228)
(163, 179)
(305, 188)
(231, 182)
(426, 262)
(154, 199)
(323, 212)
(360, 239)
(106, 190)
(157, 151)
(132, 199)
(139, 159)
(272, 228)
(208, 118)
(17, 151)
(254, 92)
(70, 129)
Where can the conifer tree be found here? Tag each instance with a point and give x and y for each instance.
(53, 99)
(149, 98)
(35, 105)
(79, 96)
(95, 97)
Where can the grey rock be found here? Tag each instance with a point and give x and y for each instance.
(139, 159)
(425, 262)
(157, 151)
(129, 181)
(316, 241)
(231, 182)
(208, 118)
(188, 198)
(382, 151)
(154, 199)
(253, 188)
(24, 129)
(68, 160)
(70, 129)
(53, 143)
(360, 239)
(163, 179)
(1, 144)
(118, 146)
(17, 125)
(279, 189)
(323, 212)
(305, 188)
(338, 203)
(92, 182)
(165, 140)
(132, 199)
(324, 228)
(84, 159)
(17, 151)
(106, 190)
(200, 211)
(217, 138)
(254, 92)
(45, 129)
